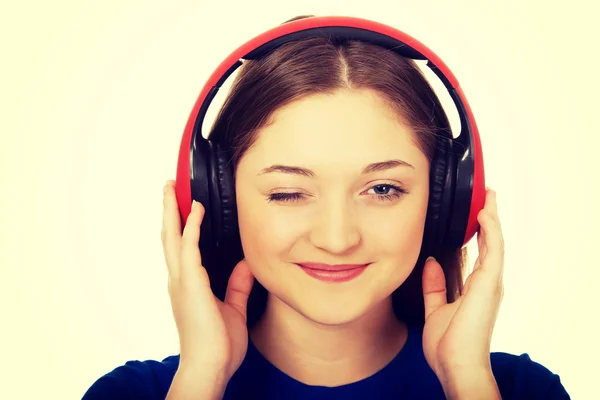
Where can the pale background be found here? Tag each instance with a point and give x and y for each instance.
(95, 96)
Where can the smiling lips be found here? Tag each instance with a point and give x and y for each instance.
(333, 273)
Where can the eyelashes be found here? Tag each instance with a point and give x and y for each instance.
(291, 197)
(396, 193)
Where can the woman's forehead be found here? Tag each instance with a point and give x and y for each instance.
(335, 126)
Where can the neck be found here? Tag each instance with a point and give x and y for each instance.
(326, 355)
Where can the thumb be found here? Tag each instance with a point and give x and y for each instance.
(239, 287)
(434, 286)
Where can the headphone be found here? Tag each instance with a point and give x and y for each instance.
(457, 188)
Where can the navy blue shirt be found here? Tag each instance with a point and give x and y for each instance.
(407, 376)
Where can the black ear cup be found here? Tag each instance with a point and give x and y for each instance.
(441, 190)
(449, 191)
(225, 183)
(229, 245)
(210, 185)
(201, 191)
(214, 186)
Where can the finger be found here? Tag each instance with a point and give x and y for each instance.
(481, 245)
(239, 287)
(434, 286)
(498, 231)
(191, 270)
(171, 229)
(493, 240)
(492, 205)
(493, 260)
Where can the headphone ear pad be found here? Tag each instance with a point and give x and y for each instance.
(225, 229)
(440, 188)
(229, 230)
(202, 185)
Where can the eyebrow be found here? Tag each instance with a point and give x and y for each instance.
(374, 167)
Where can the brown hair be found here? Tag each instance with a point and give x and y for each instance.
(319, 65)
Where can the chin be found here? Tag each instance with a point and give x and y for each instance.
(332, 314)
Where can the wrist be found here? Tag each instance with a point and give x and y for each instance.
(472, 385)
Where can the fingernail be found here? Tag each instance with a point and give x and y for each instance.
(430, 258)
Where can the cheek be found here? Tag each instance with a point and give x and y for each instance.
(397, 239)
(401, 236)
(266, 242)
(266, 236)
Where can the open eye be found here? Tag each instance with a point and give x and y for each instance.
(387, 192)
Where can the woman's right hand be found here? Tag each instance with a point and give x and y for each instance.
(212, 334)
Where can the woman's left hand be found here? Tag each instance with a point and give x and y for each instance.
(457, 336)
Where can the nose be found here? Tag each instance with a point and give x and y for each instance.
(335, 228)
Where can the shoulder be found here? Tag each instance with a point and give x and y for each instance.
(149, 379)
(519, 377)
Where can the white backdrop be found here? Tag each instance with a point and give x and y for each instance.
(94, 99)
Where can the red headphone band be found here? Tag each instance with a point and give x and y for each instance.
(470, 175)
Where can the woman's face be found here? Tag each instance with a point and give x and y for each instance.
(328, 209)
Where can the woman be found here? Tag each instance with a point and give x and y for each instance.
(331, 146)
